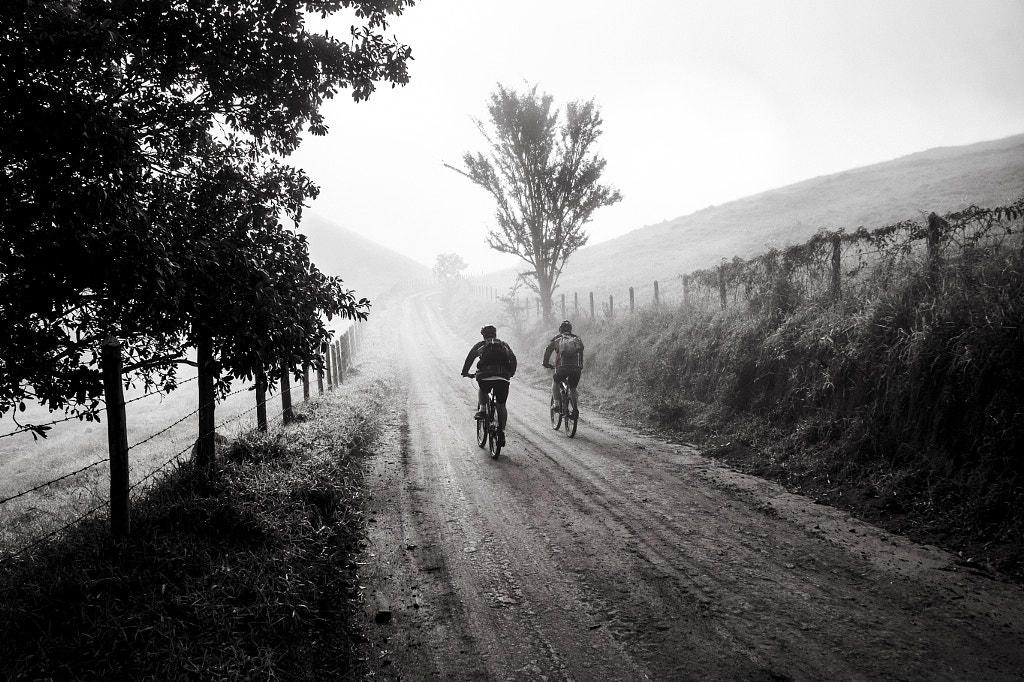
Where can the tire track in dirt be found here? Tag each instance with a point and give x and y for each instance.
(617, 556)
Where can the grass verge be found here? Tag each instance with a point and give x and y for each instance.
(903, 404)
(248, 576)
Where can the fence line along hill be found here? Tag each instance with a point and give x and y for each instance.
(941, 180)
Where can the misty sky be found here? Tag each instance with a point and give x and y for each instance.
(703, 102)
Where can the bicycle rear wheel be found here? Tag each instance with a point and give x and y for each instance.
(556, 415)
(571, 417)
(481, 432)
(492, 440)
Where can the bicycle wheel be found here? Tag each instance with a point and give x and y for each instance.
(571, 417)
(556, 416)
(493, 439)
(481, 432)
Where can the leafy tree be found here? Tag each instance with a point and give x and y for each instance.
(107, 109)
(253, 304)
(544, 176)
(448, 266)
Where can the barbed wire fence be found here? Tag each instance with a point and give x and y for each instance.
(339, 357)
(830, 265)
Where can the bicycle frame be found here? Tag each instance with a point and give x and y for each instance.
(487, 429)
(564, 416)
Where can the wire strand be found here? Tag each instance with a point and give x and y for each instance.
(56, 480)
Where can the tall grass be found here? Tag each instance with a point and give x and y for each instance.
(247, 576)
(915, 388)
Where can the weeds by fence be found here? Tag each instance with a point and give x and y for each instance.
(831, 265)
(338, 358)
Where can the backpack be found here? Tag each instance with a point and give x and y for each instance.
(493, 355)
(568, 350)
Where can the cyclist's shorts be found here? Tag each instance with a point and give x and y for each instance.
(570, 374)
(499, 385)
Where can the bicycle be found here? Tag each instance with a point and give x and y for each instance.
(487, 429)
(565, 415)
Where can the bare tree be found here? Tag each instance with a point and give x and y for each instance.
(545, 179)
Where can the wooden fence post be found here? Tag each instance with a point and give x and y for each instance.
(631, 300)
(329, 366)
(563, 306)
(206, 443)
(721, 284)
(656, 303)
(575, 304)
(287, 414)
(592, 306)
(935, 227)
(611, 305)
(339, 369)
(320, 372)
(334, 365)
(261, 400)
(837, 254)
(117, 437)
(305, 382)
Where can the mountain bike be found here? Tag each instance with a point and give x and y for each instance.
(487, 428)
(565, 415)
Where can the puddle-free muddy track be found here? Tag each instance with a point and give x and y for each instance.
(616, 556)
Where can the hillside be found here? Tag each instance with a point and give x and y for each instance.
(940, 180)
(365, 266)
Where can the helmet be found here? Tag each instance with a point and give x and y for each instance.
(489, 331)
(565, 327)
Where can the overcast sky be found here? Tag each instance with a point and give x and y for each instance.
(704, 101)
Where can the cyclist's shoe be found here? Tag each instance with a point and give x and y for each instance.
(501, 439)
(480, 414)
(575, 413)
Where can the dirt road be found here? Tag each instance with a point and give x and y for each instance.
(615, 556)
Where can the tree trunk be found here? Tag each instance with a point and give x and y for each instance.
(545, 288)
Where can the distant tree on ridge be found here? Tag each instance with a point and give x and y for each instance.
(448, 266)
(544, 176)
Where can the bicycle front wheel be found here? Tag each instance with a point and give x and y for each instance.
(556, 415)
(571, 417)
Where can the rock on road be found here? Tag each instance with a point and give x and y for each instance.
(617, 556)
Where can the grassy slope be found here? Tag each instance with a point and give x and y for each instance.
(939, 180)
(902, 408)
(365, 266)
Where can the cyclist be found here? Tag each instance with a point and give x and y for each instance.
(568, 350)
(496, 364)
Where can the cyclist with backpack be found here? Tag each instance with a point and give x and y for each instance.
(496, 365)
(568, 351)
